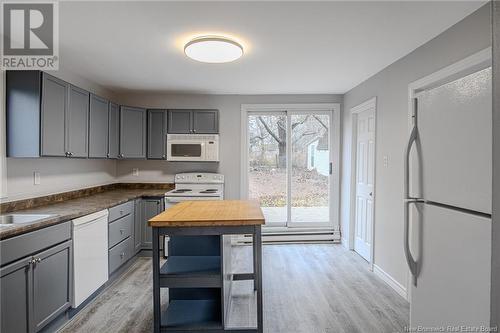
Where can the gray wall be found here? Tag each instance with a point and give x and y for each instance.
(57, 174)
(390, 86)
(495, 276)
(230, 134)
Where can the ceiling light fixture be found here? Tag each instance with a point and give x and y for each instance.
(213, 49)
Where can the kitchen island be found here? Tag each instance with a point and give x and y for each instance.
(197, 272)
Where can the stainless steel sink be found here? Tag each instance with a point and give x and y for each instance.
(15, 219)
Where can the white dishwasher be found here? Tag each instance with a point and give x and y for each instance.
(90, 255)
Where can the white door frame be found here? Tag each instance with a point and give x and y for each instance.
(334, 108)
(470, 64)
(365, 106)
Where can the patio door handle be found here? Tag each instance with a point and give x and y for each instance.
(331, 168)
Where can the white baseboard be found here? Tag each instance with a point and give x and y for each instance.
(345, 243)
(398, 287)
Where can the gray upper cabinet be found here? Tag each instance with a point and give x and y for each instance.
(193, 121)
(157, 134)
(132, 132)
(206, 121)
(16, 296)
(180, 121)
(46, 116)
(113, 130)
(77, 122)
(53, 126)
(98, 127)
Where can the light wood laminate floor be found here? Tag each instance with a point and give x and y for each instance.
(307, 289)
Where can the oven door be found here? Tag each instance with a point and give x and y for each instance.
(185, 150)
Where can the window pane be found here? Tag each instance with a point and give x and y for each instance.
(267, 165)
(310, 168)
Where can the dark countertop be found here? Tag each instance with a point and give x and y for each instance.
(70, 209)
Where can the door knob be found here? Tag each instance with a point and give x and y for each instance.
(371, 194)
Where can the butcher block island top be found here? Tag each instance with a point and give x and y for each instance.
(210, 214)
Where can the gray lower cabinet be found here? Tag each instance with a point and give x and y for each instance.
(52, 284)
(193, 121)
(36, 289)
(137, 225)
(98, 127)
(157, 134)
(16, 296)
(150, 207)
(120, 235)
(132, 132)
(113, 130)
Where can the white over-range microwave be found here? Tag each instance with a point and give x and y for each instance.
(193, 147)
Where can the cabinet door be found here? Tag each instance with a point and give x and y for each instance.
(113, 130)
(157, 132)
(180, 121)
(51, 283)
(77, 122)
(54, 103)
(137, 226)
(15, 295)
(132, 132)
(206, 121)
(98, 127)
(150, 208)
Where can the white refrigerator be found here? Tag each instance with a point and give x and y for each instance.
(448, 193)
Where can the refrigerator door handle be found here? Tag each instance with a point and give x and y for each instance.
(412, 263)
(411, 141)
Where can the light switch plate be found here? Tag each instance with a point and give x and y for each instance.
(36, 178)
(135, 172)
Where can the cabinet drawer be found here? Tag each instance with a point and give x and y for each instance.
(120, 210)
(120, 229)
(119, 254)
(26, 244)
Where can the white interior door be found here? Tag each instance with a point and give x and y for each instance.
(365, 180)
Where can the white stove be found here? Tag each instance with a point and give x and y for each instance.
(196, 186)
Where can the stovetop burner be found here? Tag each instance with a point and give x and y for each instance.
(210, 190)
(183, 190)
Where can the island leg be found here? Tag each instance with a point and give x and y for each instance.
(257, 243)
(156, 282)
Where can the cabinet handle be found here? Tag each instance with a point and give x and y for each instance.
(107, 155)
(194, 131)
(122, 255)
(38, 260)
(121, 212)
(32, 261)
(121, 231)
(163, 156)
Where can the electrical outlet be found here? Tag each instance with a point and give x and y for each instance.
(36, 178)
(135, 172)
(386, 161)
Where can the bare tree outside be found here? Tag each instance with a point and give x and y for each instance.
(309, 141)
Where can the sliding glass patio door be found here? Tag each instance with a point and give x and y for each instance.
(289, 164)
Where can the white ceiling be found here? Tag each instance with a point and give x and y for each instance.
(294, 47)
